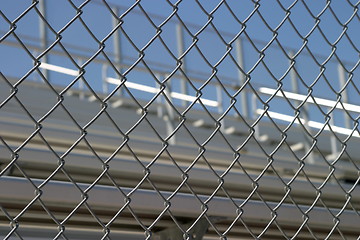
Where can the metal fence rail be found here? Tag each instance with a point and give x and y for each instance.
(179, 120)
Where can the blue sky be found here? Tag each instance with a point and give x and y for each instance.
(98, 18)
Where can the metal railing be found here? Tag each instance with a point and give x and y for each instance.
(138, 125)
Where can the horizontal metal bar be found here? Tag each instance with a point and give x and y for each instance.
(59, 69)
(14, 190)
(315, 100)
(176, 95)
(313, 124)
(132, 85)
(195, 75)
(16, 124)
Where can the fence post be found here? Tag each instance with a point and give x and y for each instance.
(169, 116)
(104, 81)
(344, 94)
(333, 143)
(180, 46)
(160, 106)
(43, 35)
(304, 114)
(220, 107)
(117, 47)
(81, 84)
(240, 60)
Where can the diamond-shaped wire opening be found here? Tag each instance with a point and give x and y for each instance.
(33, 100)
(247, 9)
(162, 168)
(83, 164)
(224, 20)
(342, 52)
(274, 55)
(147, 8)
(142, 85)
(80, 118)
(289, 39)
(168, 61)
(75, 31)
(23, 214)
(307, 70)
(60, 70)
(34, 212)
(24, 27)
(6, 216)
(194, 58)
(197, 186)
(336, 28)
(274, 17)
(13, 106)
(13, 13)
(222, 147)
(337, 185)
(91, 82)
(131, 27)
(261, 31)
(150, 132)
(88, 12)
(230, 70)
(326, 217)
(7, 89)
(302, 11)
(234, 191)
(317, 41)
(186, 17)
(20, 58)
(151, 127)
(249, 211)
(146, 206)
(207, 41)
(278, 179)
(59, 19)
(126, 170)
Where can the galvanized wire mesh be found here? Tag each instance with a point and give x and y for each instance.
(120, 123)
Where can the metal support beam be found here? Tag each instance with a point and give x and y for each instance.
(344, 94)
(169, 115)
(117, 47)
(43, 35)
(180, 46)
(18, 190)
(304, 113)
(241, 76)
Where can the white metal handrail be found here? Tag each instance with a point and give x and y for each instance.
(312, 124)
(132, 85)
(315, 100)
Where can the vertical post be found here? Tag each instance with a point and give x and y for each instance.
(117, 46)
(220, 107)
(160, 107)
(240, 60)
(304, 113)
(104, 81)
(169, 115)
(344, 95)
(180, 46)
(81, 84)
(333, 143)
(255, 115)
(43, 34)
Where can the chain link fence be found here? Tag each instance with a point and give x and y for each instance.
(179, 119)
